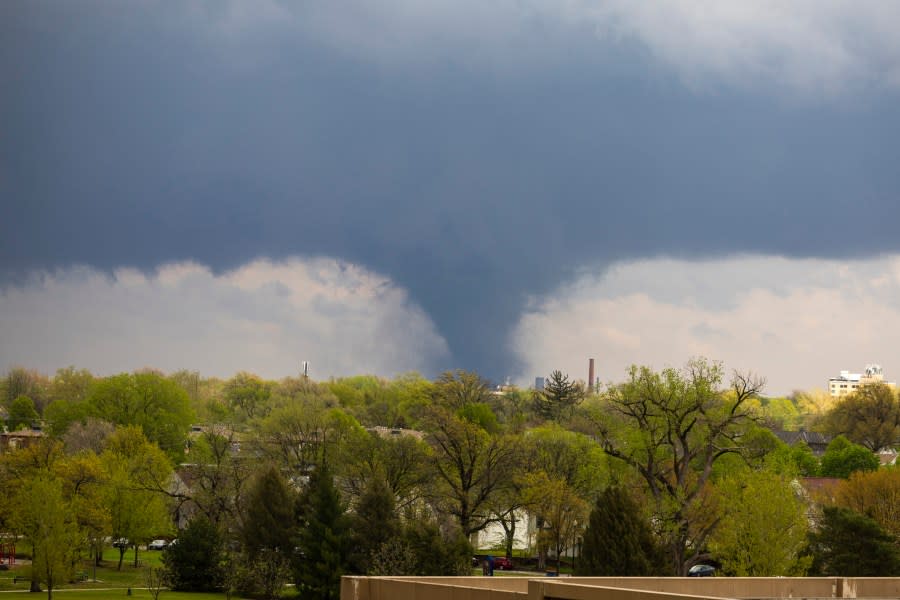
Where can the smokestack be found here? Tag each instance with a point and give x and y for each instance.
(591, 374)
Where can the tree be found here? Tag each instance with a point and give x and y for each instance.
(132, 467)
(843, 457)
(248, 395)
(763, 530)
(155, 404)
(471, 465)
(562, 513)
(848, 544)
(870, 416)
(456, 389)
(400, 461)
(21, 414)
(194, 563)
(268, 515)
(672, 427)
(875, 494)
(618, 541)
(559, 396)
(374, 523)
(323, 540)
(45, 518)
(26, 382)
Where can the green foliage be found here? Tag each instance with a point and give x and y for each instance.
(374, 523)
(671, 428)
(618, 541)
(194, 564)
(558, 397)
(843, 457)
(248, 395)
(848, 544)
(567, 455)
(44, 517)
(157, 405)
(471, 466)
(323, 541)
(763, 530)
(480, 414)
(268, 515)
(870, 416)
(21, 414)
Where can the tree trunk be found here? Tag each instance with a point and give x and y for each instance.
(121, 556)
(135, 556)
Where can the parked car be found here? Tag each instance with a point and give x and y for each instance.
(702, 571)
(121, 543)
(157, 545)
(503, 563)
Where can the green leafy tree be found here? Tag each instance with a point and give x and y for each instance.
(671, 428)
(471, 467)
(194, 563)
(323, 541)
(26, 382)
(248, 395)
(400, 461)
(843, 457)
(155, 404)
(561, 510)
(46, 520)
(848, 544)
(132, 466)
(618, 540)
(762, 532)
(21, 414)
(870, 416)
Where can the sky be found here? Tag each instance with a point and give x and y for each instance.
(510, 187)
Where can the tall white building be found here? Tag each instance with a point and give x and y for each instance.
(847, 382)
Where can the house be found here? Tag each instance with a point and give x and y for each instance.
(817, 442)
(10, 440)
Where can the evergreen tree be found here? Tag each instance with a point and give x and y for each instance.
(269, 515)
(559, 396)
(618, 541)
(194, 563)
(375, 523)
(323, 541)
(849, 544)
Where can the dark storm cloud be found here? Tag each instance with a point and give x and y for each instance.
(138, 134)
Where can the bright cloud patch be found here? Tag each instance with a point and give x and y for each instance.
(263, 317)
(795, 322)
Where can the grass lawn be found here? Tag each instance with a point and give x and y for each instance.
(107, 576)
(92, 594)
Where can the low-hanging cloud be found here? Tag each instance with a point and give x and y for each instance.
(265, 317)
(795, 322)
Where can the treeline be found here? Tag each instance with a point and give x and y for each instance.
(303, 481)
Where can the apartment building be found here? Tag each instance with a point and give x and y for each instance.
(847, 382)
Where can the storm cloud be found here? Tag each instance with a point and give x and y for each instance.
(476, 154)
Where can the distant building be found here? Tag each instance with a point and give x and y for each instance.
(817, 442)
(13, 440)
(538, 383)
(847, 382)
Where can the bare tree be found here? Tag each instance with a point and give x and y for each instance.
(155, 579)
